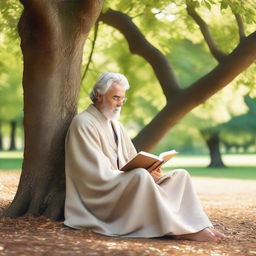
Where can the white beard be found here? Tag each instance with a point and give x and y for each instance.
(109, 112)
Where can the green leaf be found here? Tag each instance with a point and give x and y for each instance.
(208, 5)
(224, 5)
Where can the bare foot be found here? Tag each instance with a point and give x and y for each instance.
(217, 233)
(204, 235)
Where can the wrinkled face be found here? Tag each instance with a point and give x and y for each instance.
(111, 103)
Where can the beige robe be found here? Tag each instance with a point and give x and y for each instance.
(108, 201)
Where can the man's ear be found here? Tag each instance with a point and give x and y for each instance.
(99, 97)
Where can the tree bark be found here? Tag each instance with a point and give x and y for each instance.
(179, 101)
(213, 142)
(52, 37)
(13, 125)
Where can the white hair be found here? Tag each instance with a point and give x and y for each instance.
(105, 81)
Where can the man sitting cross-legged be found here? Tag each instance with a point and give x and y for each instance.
(108, 201)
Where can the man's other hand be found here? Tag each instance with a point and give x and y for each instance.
(156, 174)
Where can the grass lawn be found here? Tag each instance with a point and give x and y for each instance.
(11, 160)
(237, 172)
(239, 166)
(10, 163)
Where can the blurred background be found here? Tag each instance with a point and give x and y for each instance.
(227, 119)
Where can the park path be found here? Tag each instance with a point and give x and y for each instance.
(230, 204)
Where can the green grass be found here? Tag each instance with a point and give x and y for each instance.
(11, 160)
(229, 173)
(238, 166)
(10, 163)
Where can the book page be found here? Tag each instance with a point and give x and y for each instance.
(166, 156)
(150, 155)
(141, 160)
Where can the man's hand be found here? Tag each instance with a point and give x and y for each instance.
(153, 167)
(156, 174)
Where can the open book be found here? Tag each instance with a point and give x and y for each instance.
(148, 161)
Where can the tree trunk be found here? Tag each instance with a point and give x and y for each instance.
(52, 38)
(13, 125)
(1, 137)
(213, 143)
(227, 146)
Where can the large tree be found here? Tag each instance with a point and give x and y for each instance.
(52, 38)
(52, 35)
(240, 131)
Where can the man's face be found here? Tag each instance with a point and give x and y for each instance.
(112, 101)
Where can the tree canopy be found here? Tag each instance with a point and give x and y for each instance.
(178, 38)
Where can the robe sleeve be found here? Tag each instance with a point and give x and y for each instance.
(84, 155)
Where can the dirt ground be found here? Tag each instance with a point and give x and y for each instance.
(230, 204)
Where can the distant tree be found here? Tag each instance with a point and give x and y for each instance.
(240, 131)
(15, 124)
(10, 86)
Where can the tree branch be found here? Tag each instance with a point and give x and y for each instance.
(240, 26)
(230, 66)
(41, 14)
(38, 9)
(89, 12)
(138, 44)
(92, 50)
(235, 63)
(38, 22)
(216, 52)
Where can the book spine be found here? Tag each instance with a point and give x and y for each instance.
(160, 164)
(155, 165)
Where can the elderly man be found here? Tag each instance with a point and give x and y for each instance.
(108, 201)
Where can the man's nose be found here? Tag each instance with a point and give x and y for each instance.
(119, 103)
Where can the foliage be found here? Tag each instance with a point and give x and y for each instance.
(10, 62)
(10, 80)
(11, 101)
(145, 97)
(179, 38)
(167, 26)
(217, 110)
(190, 61)
(241, 129)
(9, 15)
(245, 122)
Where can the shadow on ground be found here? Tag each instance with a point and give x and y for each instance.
(230, 205)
